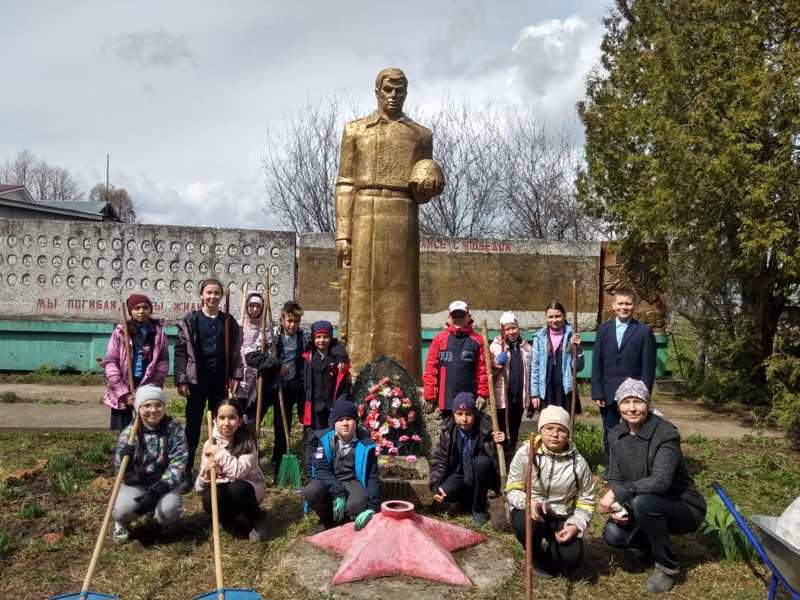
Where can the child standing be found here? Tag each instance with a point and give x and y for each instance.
(345, 482)
(286, 368)
(200, 362)
(327, 382)
(464, 464)
(156, 465)
(562, 495)
(150, 359)
(512, 358)
(240, 482)
(455, 363)
(551, 361)
(254, 307)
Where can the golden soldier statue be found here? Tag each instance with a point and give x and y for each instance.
(385, 171)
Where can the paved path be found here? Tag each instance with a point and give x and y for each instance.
(80, 407)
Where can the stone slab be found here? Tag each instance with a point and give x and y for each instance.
(56, 270)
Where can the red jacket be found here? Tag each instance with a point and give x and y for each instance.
(455, 363)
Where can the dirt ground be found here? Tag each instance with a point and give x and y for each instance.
(48, 406)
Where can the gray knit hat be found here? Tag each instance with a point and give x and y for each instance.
(632, 388)
(148, 392)
(555, 415)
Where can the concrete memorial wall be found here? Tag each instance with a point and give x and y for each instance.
(62, 270)
(490, 275)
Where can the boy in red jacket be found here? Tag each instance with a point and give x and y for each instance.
(455, 363)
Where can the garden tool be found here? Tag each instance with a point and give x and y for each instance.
(501, 457)
(574, 355)
(85, 594)
(227, 343)
(528, 523)
(289, 469)
(262, 342)
(221, 593)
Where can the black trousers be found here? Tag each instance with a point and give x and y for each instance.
(293, 395)
(472, 498)
(316, 494)
(549, 555)
(652, 519)
(515, 411)
(610, 416)
(210, 388)
(233, 498)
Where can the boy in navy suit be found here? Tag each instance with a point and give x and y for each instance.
(623, 348)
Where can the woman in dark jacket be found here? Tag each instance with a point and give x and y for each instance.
(652, 494)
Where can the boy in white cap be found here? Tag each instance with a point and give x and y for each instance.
(511, 359)
(562, 495)
(156, 466)
(455, 363)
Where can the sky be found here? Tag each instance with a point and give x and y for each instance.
(182, 94)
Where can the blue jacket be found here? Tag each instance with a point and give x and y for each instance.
(538, 381)
(636, 357)
(366, 466)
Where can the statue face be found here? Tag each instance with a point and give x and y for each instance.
(391, 96)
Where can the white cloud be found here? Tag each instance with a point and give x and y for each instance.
(157, 48)
(549, 64)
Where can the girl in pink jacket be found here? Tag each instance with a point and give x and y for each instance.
(150, 359)
(240, 482)
(511, 357)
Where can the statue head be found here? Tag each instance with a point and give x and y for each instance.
(391, 87)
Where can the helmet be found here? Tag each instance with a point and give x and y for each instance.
(426, 170)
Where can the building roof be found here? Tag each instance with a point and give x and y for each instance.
(9, 187)
(85, 211)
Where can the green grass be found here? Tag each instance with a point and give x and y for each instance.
(33, 510)
(49, 375)
(762, 476)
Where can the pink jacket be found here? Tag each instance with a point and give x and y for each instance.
(500, 374)
(116, 366)
(231, 468)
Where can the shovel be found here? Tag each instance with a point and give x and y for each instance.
(221, 593)
(289, 469)
(85, 594)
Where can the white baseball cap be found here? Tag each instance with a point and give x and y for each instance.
(458, 305)
(507, 317)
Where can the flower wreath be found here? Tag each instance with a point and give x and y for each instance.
(387, 412)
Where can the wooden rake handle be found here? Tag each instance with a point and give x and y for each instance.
(215, 517)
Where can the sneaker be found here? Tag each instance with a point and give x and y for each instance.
(259, 531)
(660, 582)
(187, 485)
(480, 518)
(542, 574)
(120, 532)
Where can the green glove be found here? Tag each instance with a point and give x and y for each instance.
(338, 508)
(363, 518)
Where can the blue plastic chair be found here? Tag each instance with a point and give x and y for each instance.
(777, 576)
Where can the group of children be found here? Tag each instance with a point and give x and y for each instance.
(219, 363)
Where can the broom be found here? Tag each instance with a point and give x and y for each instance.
(289, 469)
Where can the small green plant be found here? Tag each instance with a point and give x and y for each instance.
(101, 453)
(696, 439)
(6, 542)
(728, 538)
(10, 492)
(66, 474)
(66, 483)
(588, 438)
(33, 510)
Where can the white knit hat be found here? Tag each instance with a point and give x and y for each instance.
(507, 317)
(555, 415)
(148, 392)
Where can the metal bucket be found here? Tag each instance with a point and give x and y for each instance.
(783, 555)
